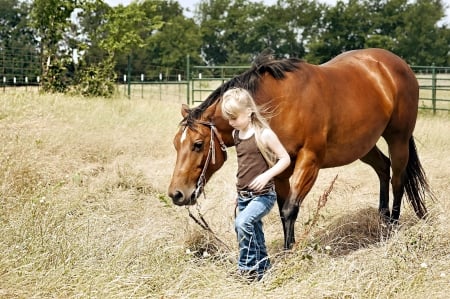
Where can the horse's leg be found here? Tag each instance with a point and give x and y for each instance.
(282, 188)
(303, 178)
(408, 176)
(399, 152)
(382, 165)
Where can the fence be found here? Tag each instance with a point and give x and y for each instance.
(434, 85)
(197, 83)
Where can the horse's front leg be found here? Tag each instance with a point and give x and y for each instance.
(282, 188)
(303, 178)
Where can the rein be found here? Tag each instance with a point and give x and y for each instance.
(210, 158)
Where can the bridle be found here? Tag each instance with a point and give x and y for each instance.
(201, 182)
(211, 157)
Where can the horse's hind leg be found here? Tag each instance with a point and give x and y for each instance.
(399, 152)
(381, 164)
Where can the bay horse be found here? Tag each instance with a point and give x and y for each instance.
(325, 115)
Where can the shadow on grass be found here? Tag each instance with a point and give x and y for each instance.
(354, 231)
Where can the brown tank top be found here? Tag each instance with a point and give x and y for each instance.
(251, 162)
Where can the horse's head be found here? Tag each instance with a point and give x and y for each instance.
(200, 152)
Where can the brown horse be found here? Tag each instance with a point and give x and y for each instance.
(326, 116)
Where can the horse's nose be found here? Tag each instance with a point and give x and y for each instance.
(176, 196)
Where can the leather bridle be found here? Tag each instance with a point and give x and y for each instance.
(211, 157)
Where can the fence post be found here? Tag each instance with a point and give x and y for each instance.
(188, 78)
(142, 86)
(433, 87)
(129, 76)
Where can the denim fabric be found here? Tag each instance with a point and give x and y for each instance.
(249, 229)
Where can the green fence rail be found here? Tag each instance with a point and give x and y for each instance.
(197, 82)
(434, 85)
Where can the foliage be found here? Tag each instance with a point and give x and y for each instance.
(167, 45)
(57, 78)
(420, 41)
(50, 19)
(119, 31)
(407, 29)
(97, 80)
(122, 29)
(18, 47)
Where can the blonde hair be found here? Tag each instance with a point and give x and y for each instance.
(236, 101)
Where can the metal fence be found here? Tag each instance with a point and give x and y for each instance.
(434, 85)
(198, 82)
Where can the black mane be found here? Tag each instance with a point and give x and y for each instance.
(249, 80)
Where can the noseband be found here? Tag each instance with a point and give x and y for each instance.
(211, 157)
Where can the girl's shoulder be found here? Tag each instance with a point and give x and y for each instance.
(268, 136)
(267, 133)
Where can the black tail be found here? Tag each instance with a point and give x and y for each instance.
(416, 184)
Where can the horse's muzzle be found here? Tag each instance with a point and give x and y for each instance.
(180, 199)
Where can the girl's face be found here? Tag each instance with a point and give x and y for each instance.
(241, 120)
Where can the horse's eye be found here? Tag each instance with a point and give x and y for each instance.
(198, 146)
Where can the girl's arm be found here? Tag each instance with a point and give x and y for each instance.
(271, 140)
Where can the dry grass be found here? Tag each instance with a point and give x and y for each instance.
(84, 214)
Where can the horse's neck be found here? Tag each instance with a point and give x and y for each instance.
(223, 126)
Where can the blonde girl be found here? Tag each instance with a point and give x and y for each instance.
(261, 157)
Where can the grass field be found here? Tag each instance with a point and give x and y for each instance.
(84, 214)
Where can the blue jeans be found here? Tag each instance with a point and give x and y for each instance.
(249, 228)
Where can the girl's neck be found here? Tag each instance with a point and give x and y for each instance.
(247, 132)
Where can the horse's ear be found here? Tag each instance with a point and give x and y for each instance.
(184, 110)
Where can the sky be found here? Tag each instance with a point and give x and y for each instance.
(191, 4)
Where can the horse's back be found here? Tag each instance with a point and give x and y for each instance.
(395, 80)
(387, 69)
(342, 107)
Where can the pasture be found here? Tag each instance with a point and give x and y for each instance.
(84, 214)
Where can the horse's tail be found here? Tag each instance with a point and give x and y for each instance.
(416, 184)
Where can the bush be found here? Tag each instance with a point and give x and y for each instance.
(97, 80)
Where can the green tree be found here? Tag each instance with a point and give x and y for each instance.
(165, 48)
(386, 18)
(117, 32)
(227, 30)
(91, 19)
(50, 19)
(409, 29)
(421, 41)
(345, 27)
(213, 23)
(289, 25)
(18, 49)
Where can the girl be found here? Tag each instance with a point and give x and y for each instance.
(260, 156)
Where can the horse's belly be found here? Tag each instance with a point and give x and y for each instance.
(342, 153)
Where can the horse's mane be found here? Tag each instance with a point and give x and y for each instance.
(264, 63)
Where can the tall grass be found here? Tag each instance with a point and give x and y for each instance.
(84, 214)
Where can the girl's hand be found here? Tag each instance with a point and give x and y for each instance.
(260, 182)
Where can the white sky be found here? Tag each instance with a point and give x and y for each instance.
(191, 4)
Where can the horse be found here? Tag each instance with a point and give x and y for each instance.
(325, 115)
